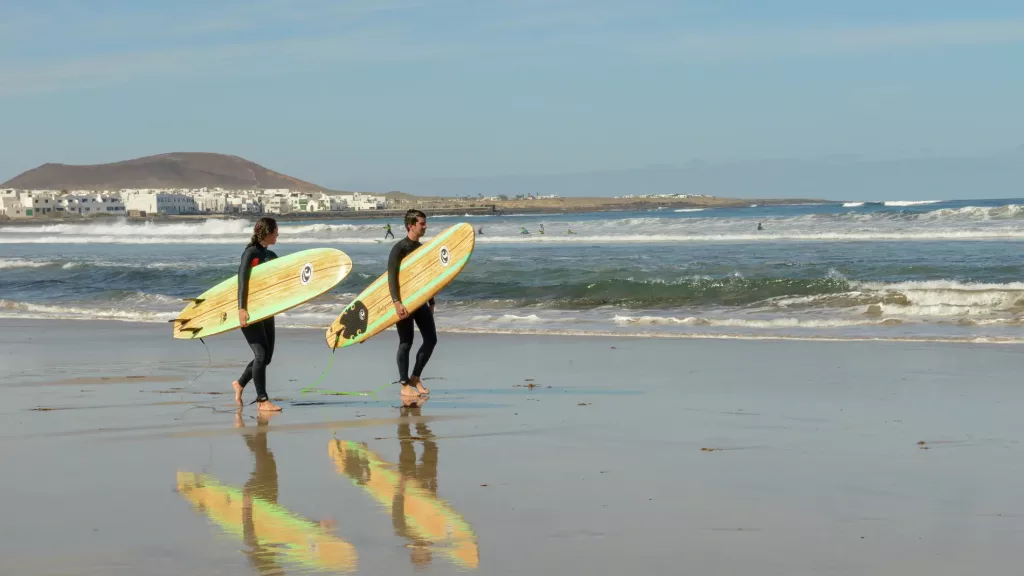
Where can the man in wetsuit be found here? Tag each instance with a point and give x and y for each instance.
(423, 317)
(388, 232)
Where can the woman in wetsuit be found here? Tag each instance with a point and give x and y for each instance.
(259, 335)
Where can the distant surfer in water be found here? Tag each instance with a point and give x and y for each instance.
(388, 232)
(259, 335)
(416, 227)
(759, 226)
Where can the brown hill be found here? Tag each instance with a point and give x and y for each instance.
(175, 170)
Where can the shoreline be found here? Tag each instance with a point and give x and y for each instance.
(606, 334)
(428, 206)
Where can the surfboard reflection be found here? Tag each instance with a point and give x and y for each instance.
(409, 493)
(273, 536)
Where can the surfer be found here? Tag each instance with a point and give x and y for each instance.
(416, 227)
(259, 335)
(388, 232)
(759, 226)
(480, 231)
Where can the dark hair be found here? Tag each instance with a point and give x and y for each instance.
(411, 216)
(264, 227)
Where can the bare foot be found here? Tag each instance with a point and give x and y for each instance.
(415, 381)
(267, 406)
(238, 392)
(408, 390)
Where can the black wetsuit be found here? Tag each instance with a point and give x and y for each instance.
(259, 335)
(422, 316)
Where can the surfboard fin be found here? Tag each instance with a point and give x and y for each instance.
(196, 300)
(182, 320)
(192, 330)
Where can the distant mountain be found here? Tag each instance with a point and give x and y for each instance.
(175, 170)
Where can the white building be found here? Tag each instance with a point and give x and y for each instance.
(161, 203)
(11, 206)
(277, 204)
(88, 203)
(38, 202)
(358, 201)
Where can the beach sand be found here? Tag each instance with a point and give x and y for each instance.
(646, 456)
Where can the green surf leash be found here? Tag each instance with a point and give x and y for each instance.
(312, 387)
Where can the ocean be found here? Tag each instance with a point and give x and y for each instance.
(950, 270)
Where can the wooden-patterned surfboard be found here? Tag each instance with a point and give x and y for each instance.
(274, 287)
(422, 274)
(427, 516)
(291, 537)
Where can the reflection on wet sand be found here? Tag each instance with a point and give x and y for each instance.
(272, 534)
(410, 493)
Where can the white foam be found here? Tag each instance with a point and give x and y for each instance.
(953, 224)
(852, 204)
(910, 202)
(10, 263)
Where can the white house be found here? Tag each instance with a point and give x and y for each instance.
(38, 202)
(359, 201)
(277, 204)
(11, 206)
(87, 203)
(161, 203)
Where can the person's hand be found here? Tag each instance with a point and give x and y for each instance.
(243, 317)
(400, 309)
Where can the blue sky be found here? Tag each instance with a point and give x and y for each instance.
(386, 94)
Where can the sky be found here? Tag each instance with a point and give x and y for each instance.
(480, 95)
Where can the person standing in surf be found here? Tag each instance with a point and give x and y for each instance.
(259, 335)
(388, 232)
(416, 227)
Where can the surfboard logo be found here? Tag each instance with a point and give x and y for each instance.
(444, 256)
(353, 320)
(306, 274)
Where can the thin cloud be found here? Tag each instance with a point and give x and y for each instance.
(831, 40)
(117, 69)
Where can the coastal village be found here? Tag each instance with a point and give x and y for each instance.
(149, 202)
(16, 203)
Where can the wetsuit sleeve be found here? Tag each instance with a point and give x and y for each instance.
(244, 269)
(394, 261)
(271, 255)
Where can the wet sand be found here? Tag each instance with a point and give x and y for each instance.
(653, 456)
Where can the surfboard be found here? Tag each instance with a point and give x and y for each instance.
(274, 287)
(429, 517)
(422, 274)
(296, 539)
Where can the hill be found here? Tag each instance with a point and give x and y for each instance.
(175, 170)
